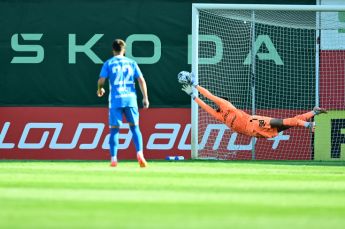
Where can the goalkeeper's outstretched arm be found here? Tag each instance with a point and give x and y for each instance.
(219, 101)
(189, 90)
(187, 78)
(208, 109)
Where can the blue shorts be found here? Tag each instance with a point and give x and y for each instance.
(131, 114)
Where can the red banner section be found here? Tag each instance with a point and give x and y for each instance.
(82, 134)
(332, 79)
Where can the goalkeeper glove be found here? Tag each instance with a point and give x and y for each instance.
(185, 77)
(189, 90)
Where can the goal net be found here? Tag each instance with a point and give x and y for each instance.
(276, 61)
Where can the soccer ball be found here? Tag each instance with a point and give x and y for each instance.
(184, 77)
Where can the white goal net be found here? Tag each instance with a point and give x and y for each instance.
(276, 61)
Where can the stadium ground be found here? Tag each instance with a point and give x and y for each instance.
(198, 194)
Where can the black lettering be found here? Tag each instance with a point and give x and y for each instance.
(261, 123)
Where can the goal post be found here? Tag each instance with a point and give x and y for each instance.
(195, 60)
(271, 60)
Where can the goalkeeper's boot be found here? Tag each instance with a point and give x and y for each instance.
(141, 160)
(113, 164)
(318, 110)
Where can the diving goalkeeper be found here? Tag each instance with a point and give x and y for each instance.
(240, 121)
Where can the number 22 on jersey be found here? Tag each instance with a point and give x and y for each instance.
(123, 76)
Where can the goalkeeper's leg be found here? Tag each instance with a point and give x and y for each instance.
(298, 120)
(287, 123)
(310, 114)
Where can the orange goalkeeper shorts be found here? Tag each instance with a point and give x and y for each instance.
(261, 128)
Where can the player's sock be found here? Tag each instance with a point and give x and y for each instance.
(137, 138)
(307, 124)
(311, 126)
(294, 122)
(113, 143)
(138, 142)
(298, 122)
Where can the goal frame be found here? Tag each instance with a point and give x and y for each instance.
(254, 7)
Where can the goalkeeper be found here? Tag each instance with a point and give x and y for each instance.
(240, 121)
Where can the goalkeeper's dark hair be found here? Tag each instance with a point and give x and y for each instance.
(119, 45)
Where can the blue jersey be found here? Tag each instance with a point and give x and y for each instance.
(121, 72)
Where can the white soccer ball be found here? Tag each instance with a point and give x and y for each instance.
(184, 77)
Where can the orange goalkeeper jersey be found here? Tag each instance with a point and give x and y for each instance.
(237, 120)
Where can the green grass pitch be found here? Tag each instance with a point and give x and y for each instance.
(197, 194)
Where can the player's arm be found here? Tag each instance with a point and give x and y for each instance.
(215, 99)
(187, 78)
(100, 85)
(101, 80)
(188, 89)
(208, 109)
(143, 89)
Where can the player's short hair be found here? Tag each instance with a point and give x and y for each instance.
(118, 45)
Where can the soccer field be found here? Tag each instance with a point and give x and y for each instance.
(198, 194)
